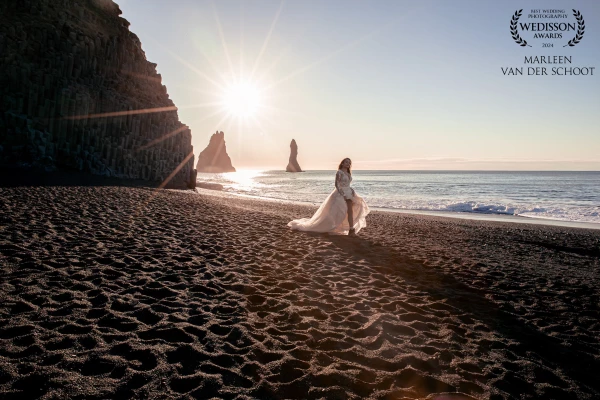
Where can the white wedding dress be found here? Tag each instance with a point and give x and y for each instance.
(332, 216)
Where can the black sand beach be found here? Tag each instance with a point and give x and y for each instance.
(117, 292)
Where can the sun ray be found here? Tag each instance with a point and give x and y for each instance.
(123, 113)
(266, 42)
(258, 124)
(222, 121)
(242, 98)
(267, 121)
(277, 109)
(176, 170)
(267, 70)
(201, 105)
(220, 110)
(190, 66)
(126, 224)
(195, 90)
(163, 137)
(211, 63)
(282, 151)
(240, 137)
(284, 52)
(229, 122)
(242, 40)
(329, 56)
(217, 153)
(214, 7)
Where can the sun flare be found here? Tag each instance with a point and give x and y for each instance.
(242, 99)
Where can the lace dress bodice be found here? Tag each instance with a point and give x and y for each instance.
(343, 178)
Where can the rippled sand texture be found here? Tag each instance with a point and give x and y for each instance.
(112, 292)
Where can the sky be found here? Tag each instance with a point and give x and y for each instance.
(390, 84)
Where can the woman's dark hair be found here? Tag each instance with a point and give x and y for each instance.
(349, 168)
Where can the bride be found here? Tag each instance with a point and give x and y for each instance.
(343, 201)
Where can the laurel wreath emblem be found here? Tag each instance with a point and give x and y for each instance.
(580, 29)
(513, 29)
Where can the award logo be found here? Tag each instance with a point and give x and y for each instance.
(556, 26)
(548, 29)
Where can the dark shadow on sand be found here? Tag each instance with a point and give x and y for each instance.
(572, 358)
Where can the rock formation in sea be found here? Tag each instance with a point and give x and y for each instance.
(77, 92)
(293, 165)
(214, 157)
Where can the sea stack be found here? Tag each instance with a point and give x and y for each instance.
(214, 157)
(293, 165)
(76, 92)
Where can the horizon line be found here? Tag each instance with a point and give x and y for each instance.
(413, 170)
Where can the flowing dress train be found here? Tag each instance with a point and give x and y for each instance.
(332, 215)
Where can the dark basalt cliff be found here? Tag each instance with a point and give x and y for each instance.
(293, 165)
(76, 91)
(214, 157)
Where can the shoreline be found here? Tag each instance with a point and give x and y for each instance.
(518, 219)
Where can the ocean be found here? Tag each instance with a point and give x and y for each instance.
(562, 196)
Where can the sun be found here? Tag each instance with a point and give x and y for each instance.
(242, 99)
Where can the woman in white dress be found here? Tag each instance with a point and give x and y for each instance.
(342, 213)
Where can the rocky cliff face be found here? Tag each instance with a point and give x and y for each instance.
(77, 91)
(293, 165)
(214, 157)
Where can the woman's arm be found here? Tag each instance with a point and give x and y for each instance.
(337, 179)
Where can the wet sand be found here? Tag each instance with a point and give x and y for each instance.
(120, 292)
